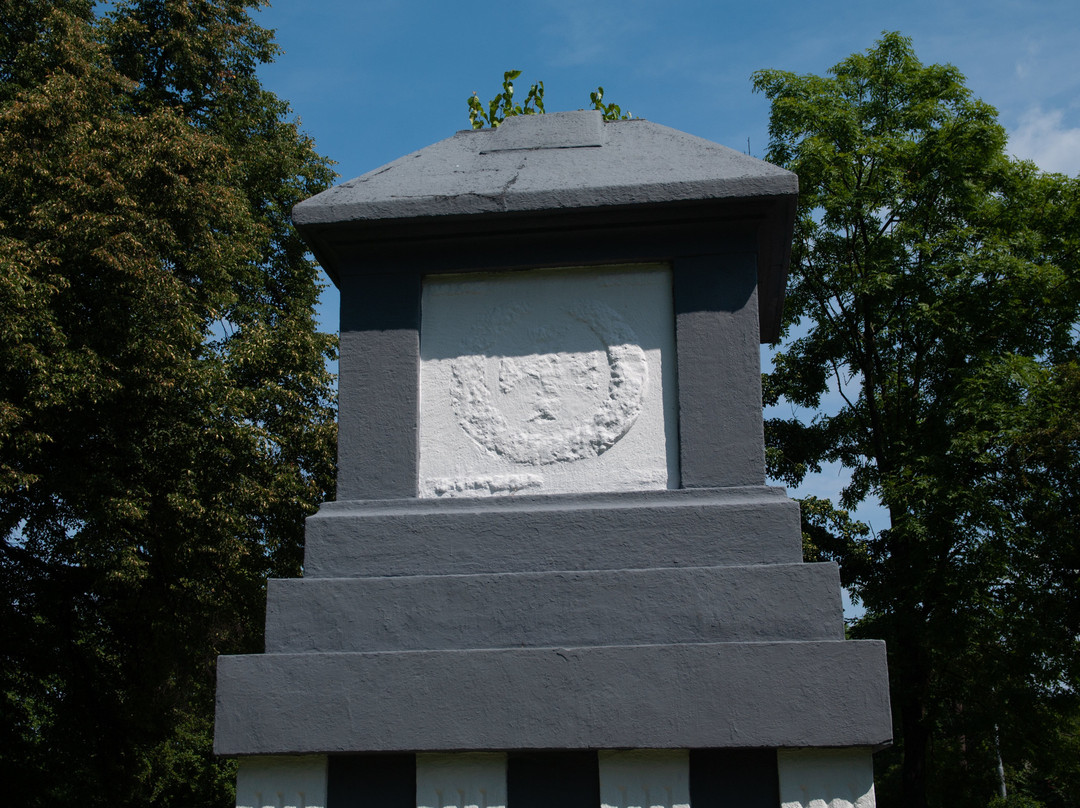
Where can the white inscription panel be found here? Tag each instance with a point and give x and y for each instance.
(826, 778)
(548, 381)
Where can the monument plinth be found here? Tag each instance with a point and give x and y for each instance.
(554, 574)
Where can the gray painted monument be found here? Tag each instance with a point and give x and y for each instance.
(554, 573)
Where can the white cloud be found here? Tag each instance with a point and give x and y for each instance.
(1043, 137)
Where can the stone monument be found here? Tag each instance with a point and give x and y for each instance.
(554, 575)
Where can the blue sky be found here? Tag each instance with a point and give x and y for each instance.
(376, 79)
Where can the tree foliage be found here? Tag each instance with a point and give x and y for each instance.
(935, 286)
(166, 417)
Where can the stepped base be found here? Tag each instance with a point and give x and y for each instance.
(540, 610)
(643, 529)
(714, 695)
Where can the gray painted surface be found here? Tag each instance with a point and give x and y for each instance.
(722, 440)
(576, 621)
(687, 528)
(555, 173)
(377, 389)
(617, 607)
(377, 444)
(548, 162)
(793, 694)
(559, 130)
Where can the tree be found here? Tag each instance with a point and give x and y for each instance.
(935, 286)
(166, 417)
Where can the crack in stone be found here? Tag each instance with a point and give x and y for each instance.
(505, 190)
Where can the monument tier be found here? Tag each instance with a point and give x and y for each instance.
(554, 568)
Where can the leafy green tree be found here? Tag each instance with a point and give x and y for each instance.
(166, 417)
(935, 286)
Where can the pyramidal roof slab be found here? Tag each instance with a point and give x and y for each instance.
(561, 164)
(562, 160)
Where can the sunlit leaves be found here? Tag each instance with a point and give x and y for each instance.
(935, 288)
(609, 111)
(502, 106)
(154, 469)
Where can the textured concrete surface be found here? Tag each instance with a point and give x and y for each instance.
(688, 528)
(645, 778)
(718, 433)
(461, 780)
(670, 619)
(548, 381)
(788, 694)
(722, 437)
(560, 160)
(513, 180)
(378, 396)
(837, 778)
(282, 782)
(616, 607)
(561, 130)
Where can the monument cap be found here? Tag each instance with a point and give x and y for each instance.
(568, 163)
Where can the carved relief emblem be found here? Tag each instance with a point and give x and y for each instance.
(573, 401)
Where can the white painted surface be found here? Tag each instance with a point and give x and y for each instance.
(649, 778)
(281, 782)
(461, 780)
(826, 778)
(548, 381)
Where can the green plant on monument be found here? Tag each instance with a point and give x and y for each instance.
(502, 106)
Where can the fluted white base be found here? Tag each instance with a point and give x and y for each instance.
(826, 778)
(281, 781)
(650, 778)
(461, 780)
